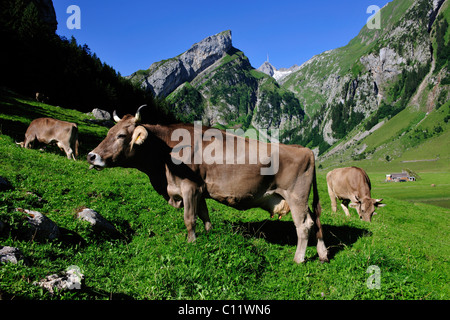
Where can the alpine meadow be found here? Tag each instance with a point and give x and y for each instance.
(380, 103)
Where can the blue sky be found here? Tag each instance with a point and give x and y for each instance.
(131, 35)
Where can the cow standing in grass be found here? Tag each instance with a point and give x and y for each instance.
(183, 182)
(48, 130)
(352, 186)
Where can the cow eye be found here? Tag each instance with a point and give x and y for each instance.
(121, 136)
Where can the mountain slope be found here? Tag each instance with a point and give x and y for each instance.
(419, 132)
(215, 82)
(374, 77)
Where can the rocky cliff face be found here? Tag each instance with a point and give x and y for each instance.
(47, 12)
(165, 76)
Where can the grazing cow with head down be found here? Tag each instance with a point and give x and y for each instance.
(352, 185)
(48, 130)
(187, 183)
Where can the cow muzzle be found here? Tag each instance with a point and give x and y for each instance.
(95, 161)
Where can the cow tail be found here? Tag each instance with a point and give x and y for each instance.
(75, 136)
(317, 208)
(76, 148)
(316, 201)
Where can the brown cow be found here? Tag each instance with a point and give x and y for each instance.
(48, 130)
(151, 149)
(352, 184)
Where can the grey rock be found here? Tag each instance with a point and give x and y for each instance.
(42, 228)
(10, 254)
(100, 114)
(70, 279)
(98, 222)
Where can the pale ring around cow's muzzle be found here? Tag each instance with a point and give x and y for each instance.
(96, 161)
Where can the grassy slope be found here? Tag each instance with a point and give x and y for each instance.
(153, 261)
(401, 138)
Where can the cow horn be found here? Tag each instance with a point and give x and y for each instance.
(115, 117)
(138, 113)
(379, 200)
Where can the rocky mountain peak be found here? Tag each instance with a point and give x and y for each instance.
(267, 68)
(204, 53)
(279, 74)
(165, 76)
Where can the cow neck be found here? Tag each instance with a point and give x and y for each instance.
(152, 158)
(155, 151)
(160, 152)
(160, 132)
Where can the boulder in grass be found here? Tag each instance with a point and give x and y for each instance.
(98, 222)
(11, 254)
(70, 279)
(41, 227)
(100, 114)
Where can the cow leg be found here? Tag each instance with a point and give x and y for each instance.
(191, 202)
(321, 248)
(303, 223)
(344, 206)
(69, 153)
(67, 150)
(332, 198)
(203, 214)
(28, 141)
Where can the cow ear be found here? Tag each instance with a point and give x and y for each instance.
(377, 203)
(139, 136)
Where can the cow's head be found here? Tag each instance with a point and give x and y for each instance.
(366, 207)
(120, 143)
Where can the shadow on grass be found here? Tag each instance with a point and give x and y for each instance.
(283, 233)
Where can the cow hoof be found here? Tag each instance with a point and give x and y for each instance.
(299, 260)
(191, 238)
(324, 260)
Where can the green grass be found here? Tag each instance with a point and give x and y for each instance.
(247, 255)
